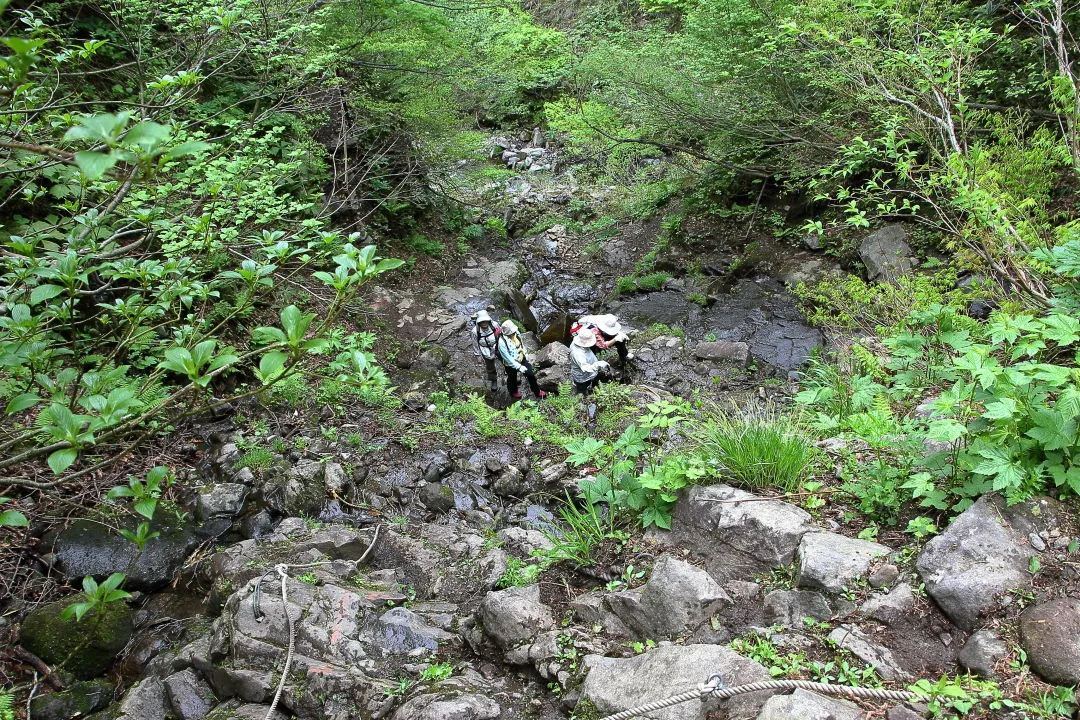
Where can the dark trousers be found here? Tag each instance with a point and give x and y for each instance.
(530, 376)
(620, 347)
(492, 373)
(586, 388)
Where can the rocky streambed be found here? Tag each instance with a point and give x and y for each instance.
(405, 592)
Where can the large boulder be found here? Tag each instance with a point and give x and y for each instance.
(1050, 634)
(189, 696)
(145, 701)
(831, 562)
(616, 684)
(983, 553)
(736, 533)
(886, 254)
(86, 647)
(553, 354)
(78, 699)
(514, 616)
(675, 601)
(737, 353)
(220, 500)
(90, 548)
(805, 705)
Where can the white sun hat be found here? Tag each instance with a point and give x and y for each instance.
(509, 327)
(608, 324)
(585, 338)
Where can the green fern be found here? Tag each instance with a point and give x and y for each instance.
(7, 707)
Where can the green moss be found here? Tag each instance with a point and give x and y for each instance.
(85, 648)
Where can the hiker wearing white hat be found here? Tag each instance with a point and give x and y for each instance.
(512, 352)
(485, 334)
(609, 332)
(585, 369)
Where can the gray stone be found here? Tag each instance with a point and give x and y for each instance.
(221, 500)
(437, 497)
(901, 712)
(812, 241)
(145, 701)
(438, 707)
(434, 358)
(884, 576)
(523, 541)
(189, 695)
(336, 542)
(886, 254)
(1050, 634)
(510, 483)
(805, 705)
(334, 478)
(616, 684)
(552, 355)
(738, 539)
(832, 562)
(89, 548)
(403, 632)
(514, 616)
(737, 353)
(982, 651)
(675, 601)
(892, 607)
(869, 651)
(982, 554)
(787, 608)
(251, 711)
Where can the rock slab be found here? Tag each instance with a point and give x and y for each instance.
(617, 684)
(805, 705)
(831, 562)
(675, 601)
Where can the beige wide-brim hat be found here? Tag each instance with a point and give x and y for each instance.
(609, 325)
(509, 327)
(585, 338)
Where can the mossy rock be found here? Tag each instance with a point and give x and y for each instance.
(77, 700)
(91, 643)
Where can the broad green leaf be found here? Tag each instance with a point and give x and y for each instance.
(22, 402)
(186, 148)
(13, 518)
(61, 460)
(270, 365)
(147, 135)
(95, 164)
(146, 507)
(44, 292)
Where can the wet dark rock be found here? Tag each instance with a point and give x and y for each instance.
(257, 525)
(831, 562)
(785, 344)
(439, 466)
(982, 651)
(1050, 634)
(981, 309)
(189, 696)
(88, 548)
(982, 554)
(886, 254)
(437, 497)
(520, 310)
(78, 699)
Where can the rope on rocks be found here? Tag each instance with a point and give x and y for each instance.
(715, 687)
(282, 570)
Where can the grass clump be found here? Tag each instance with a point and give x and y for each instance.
(257, 459)
(641, 283)
(762, 449)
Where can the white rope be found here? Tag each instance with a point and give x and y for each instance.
(283, 572)
(715, 687)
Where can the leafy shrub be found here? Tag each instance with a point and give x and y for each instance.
(850, 303)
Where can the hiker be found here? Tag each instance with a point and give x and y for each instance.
(485, 338)
(512, 352)
(608, 332)
(585, 369)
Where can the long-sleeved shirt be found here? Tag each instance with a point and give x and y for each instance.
(583, 364)
(512, 351)
(484, 342)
